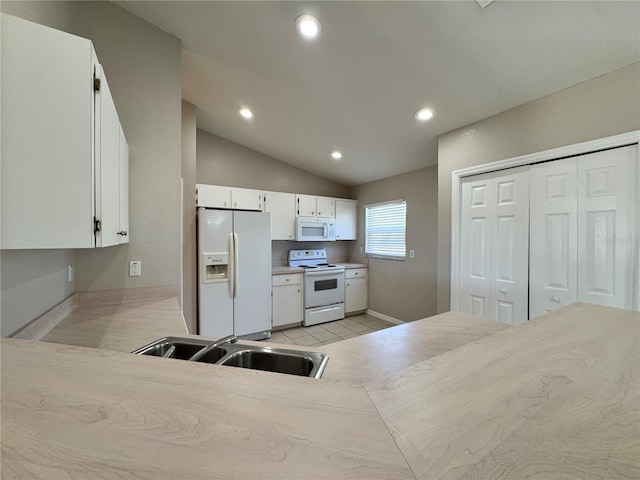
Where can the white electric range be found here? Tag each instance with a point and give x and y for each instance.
(323, 286)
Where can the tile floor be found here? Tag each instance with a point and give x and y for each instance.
(330, 332)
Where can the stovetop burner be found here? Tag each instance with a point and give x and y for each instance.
(315, 259)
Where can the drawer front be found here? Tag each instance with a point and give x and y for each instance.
(355, 273)
(291, 279)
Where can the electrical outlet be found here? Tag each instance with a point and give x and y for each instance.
(412, 253)
(70, 273)
(135, 268)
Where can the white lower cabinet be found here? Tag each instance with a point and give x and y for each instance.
(355, 290)
(288, 308)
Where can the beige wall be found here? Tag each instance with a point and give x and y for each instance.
(604, 106)
(222, 162)
(405, 290)
(33, 281)
(142, 64)
(189, 251)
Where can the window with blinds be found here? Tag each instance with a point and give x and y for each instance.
(385, 227)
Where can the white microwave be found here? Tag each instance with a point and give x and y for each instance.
(315, 229)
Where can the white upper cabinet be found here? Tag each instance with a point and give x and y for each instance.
(282, 207)
(246, 199)
(346, 219)
(124, 189)
(62, 145)
(315, 206)
(217, 196)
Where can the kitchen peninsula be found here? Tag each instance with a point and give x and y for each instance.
(557, 397)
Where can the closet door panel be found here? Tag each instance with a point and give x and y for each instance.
(510, 246)
(606, 213)
(475, 292)
(553, 236)
(494, 246)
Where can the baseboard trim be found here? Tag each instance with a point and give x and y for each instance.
(40, 326)
(125, 295)
(384, 317)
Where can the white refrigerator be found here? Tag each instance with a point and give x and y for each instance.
(234, 270)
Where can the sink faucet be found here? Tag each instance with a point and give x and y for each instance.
(216, 344)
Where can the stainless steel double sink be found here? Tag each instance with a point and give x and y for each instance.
(256, 357)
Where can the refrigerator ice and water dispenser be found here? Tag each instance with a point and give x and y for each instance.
(215, 267)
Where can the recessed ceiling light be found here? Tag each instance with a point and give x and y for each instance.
(246, 113)
(336, 155)
(308, 26)
(424, 114)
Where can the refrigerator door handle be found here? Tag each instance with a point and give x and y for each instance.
(232, 269)
(235, 264)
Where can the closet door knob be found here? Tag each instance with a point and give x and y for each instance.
(555, 299)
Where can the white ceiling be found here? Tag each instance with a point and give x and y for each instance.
(357, 87)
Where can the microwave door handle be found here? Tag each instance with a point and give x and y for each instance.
(236, 258)
(231, 267)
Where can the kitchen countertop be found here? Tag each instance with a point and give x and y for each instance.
(556, 397)
(286, 270)
(366, 357)
(123, 326)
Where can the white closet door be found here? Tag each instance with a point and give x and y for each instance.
(606, 217)
(495, 247)
(553, 237)
(475, 278)
(510, 247)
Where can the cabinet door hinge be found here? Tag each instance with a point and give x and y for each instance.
(96, 84)
(97, 225)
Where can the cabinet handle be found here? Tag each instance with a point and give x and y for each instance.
(313, 213)
(287, 279)
(122, 233)
(298, 290)
(319, 213)
(555, 298)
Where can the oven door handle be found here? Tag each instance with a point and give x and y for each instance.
(324, 273)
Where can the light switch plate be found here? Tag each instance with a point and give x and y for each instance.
(70, 273)
(135, 268)
(412, 254)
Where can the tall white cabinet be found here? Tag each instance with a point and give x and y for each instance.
(539, 237)
(64, 154)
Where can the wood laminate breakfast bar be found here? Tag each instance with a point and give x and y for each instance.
(557, 397)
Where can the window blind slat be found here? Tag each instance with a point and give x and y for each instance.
(385, 226)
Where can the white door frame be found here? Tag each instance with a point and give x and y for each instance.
(620, 140)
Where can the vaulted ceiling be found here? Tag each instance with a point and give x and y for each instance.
(357, 87)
